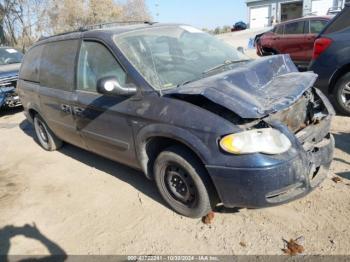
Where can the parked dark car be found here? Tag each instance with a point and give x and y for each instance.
(295, 37)
(10, 62)
(331, 61)
(239, 26)
(205, 122)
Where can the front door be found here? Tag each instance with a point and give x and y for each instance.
(103, 119)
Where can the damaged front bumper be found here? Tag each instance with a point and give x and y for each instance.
(293, 174)
(9, 97)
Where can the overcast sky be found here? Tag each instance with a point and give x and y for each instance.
(200, 13)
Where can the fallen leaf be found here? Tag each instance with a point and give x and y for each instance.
(293, 247)
(336, 179)
(242, 244)
(208, 218)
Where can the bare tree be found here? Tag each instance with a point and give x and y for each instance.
(23, 21)
(101, 11)
(136, 10)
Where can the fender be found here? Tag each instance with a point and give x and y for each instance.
(166, 131)
(338, 73)
(31, 106)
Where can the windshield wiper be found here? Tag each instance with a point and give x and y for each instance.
(187, 82)
(227, 62)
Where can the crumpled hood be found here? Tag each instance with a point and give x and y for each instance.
(254, 89)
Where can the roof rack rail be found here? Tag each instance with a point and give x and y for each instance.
(113, 24)
(98, 26)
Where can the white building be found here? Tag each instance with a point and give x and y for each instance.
(263, 13)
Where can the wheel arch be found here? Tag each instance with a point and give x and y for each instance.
(151, 140)
(267, 50)
(337, 75)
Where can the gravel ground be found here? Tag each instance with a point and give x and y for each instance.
(81, 203)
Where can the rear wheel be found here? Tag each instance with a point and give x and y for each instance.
(47, 139)
(183, 182)
(342, 95)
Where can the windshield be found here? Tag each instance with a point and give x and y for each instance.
(173, 55)
(10, 56)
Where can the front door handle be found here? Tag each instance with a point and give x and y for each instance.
(78, 111)
(66, 108)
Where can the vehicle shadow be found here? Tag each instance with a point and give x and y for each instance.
(129, 175)
(342, 142)
(10, 111)
(32, 232)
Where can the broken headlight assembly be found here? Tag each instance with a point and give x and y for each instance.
(264, 140)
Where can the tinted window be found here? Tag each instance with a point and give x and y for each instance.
(294, 28)
(30, 65)
(340, 23)
(316, 26)
(58, 64)
(279, 30)
(95, 62)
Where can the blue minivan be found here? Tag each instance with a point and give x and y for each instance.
(206, 123)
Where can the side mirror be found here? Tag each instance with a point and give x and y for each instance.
(110, 86)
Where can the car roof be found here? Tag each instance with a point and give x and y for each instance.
(327, 17)
(115, 30)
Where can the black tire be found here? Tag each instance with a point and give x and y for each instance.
(269, 52)
(177, 164)
(47, 139)
(341, 101)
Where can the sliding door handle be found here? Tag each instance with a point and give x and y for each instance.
(66, 108)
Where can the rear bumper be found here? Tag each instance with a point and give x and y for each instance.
(269, 186)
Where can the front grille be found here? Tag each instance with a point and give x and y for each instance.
(295, 117)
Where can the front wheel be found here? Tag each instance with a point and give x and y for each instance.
(47, 139)
(183, 182)
(342, 95)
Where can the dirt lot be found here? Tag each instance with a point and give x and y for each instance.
(85, 204)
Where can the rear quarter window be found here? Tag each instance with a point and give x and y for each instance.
(340, 22)
(316, 26)
(30, 65)
(57, 68)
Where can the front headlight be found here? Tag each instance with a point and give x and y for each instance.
(265, 140)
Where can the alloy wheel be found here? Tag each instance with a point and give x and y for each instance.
(345, 96)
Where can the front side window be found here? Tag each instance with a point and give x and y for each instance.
(294, 28)
(170, 56)
(316, 26)
(96, 62)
